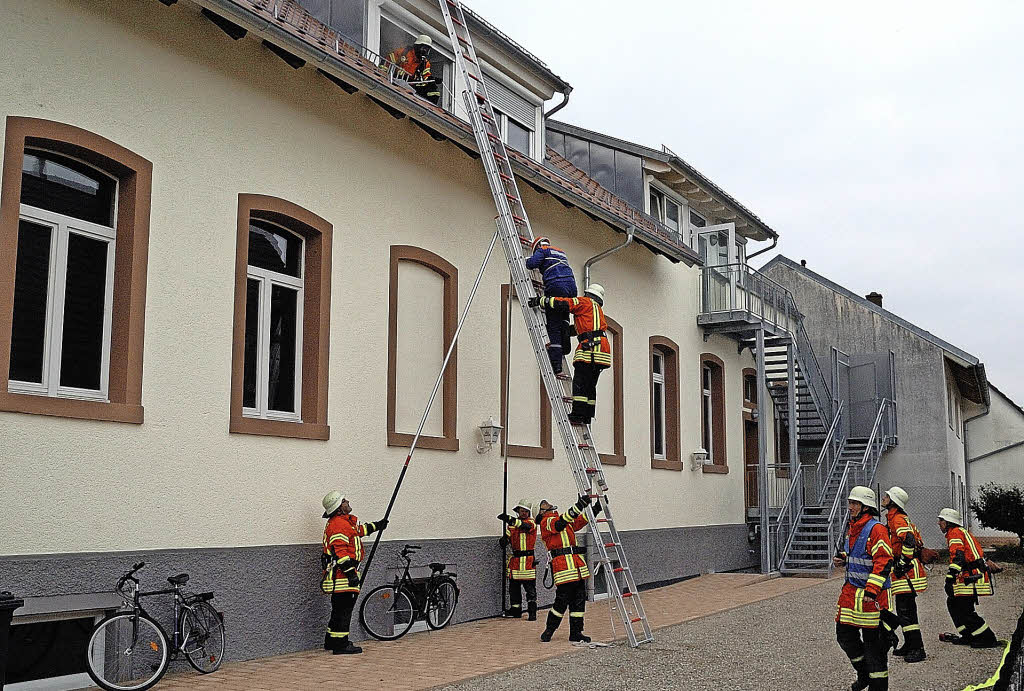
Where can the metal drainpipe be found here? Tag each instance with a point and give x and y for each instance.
(598, 257)
(563, 104)
(967, 466)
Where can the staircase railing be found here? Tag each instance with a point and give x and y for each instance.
(812, 372)
(805, 483)
(860, 473)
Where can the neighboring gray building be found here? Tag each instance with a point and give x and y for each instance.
(995, 450)
(937, 386)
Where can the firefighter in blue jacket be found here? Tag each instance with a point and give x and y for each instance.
(558, 282)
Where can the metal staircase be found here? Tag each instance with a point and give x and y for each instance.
(515, 233)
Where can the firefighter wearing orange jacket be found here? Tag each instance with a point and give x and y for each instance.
(968, 579)
(343, 550)
(593, 352)
(521, 536)
(568, 565)
(908, 575)
(868, 560)
(414, 61)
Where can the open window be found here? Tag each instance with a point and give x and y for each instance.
(668, 210)
(430, 77)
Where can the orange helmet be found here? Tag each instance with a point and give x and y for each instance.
(542, 240)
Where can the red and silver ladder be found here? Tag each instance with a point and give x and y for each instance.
(516, 234)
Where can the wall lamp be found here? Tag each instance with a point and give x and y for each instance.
(490, 433)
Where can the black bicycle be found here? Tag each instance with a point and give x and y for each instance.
(389, 611)
(129, 650)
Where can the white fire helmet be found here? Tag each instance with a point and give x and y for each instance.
(951, 516)
(899, 497)
(332, 500)
(595, 290)
(865, 495)
(423, 40)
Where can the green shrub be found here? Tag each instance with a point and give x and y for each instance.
(1001, 507)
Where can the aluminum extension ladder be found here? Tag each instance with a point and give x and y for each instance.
(515, 233)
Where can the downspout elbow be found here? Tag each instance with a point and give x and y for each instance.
(607, 253)
(563, 104)
(775, 241)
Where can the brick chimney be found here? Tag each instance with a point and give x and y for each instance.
(875, 298)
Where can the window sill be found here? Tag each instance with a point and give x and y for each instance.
(277, 428)
(79, 409)
(541, 453)
(613, 459)
(438, 443)
(715, 468)
(664, 464)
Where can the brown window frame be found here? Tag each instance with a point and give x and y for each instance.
(448, 441)
(719, 436)
(317, 234)
(546, 450)
(131, 255)
(670, 351)
(618, 456)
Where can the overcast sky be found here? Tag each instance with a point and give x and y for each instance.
(883, 141)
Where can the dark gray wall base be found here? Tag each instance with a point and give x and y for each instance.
(271, 598)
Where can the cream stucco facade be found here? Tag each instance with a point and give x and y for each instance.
(217, 119)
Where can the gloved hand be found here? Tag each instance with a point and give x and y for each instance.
(949, 585)
(503, 541)
(508, 519)
(597, 507)
(533, 302)
(583, 502)
(353, 578)
(381, 524)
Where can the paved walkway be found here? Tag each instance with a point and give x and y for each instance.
(429, 659)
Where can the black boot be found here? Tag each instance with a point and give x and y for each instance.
(987, 639)
(550, 626)
(576, 631)
(347, 649)
(513, 613)
(915, 655)
(532, 609)
(863, 681)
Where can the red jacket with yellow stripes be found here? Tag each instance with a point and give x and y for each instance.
(853, 608)
(965, 554)
(903, 554)
(522, 538)
(343, 545)
(559, 533)
(587, 317)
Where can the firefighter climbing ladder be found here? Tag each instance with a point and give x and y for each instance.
(515, 233)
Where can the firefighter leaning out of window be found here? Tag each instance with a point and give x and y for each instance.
(414, 61)
(593, 352)
(521, 536)
(868, 559)
(568, 565)
(343, 550)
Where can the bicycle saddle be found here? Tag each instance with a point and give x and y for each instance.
(437, 568)
(180, 579)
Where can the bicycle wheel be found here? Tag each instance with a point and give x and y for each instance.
(387, 613)
(202, 635)
(441, 602)
(127, 652)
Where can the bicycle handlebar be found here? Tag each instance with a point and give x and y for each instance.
(409, 548)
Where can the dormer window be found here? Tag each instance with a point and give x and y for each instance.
(667, 209)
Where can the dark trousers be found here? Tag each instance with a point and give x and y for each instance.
(867, 650)
(515, 594)
(906, 608)
(572, 597)
(968, 622)
(557, 323)
(342, 605)
(584, 390)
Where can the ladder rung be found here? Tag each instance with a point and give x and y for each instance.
(487, 117)
(509, 180)
(620, 569)
(518, 219)
(635, 620)
(512, 197)
(454, 19)
(584, 446)
(525, 241)
(611, 544)
(627, 594)
(480, 97)
(593, 470)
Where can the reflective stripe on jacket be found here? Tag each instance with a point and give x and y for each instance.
(587, 316)
(522, 538)
(899, 528)
(961, 541)
(343, 546)
(565, 568)
(868, 555)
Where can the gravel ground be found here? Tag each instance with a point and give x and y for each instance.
(784, 643)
